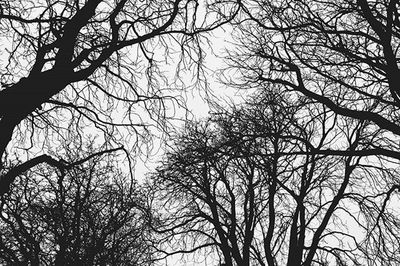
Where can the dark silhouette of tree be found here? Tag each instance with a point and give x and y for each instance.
(305, 173)
(342, 54)
(89, 214)
(277, 182)
(81, 66)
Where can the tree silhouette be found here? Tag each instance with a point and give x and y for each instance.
(262, 185)
(89, 214)
(342, 54)
(71, 67)
(305, 172)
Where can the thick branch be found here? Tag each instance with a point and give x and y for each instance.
(9, 177)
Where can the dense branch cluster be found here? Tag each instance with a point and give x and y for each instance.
(304, 171)
(262, 185)
(88, 214)
(82, 66)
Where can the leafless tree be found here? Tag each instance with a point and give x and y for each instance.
(263, 185)
(342, 55)
(89, 214)
(82, 65)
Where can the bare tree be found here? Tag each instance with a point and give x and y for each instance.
(344, 56)
(262, 185)
(89, 214)
(79, 66)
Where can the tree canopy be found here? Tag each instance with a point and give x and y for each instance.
(79, 66)
(89, 214)
(262, 185)
(302, 170)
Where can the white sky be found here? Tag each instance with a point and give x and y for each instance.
(196, 98)
(198, 106)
